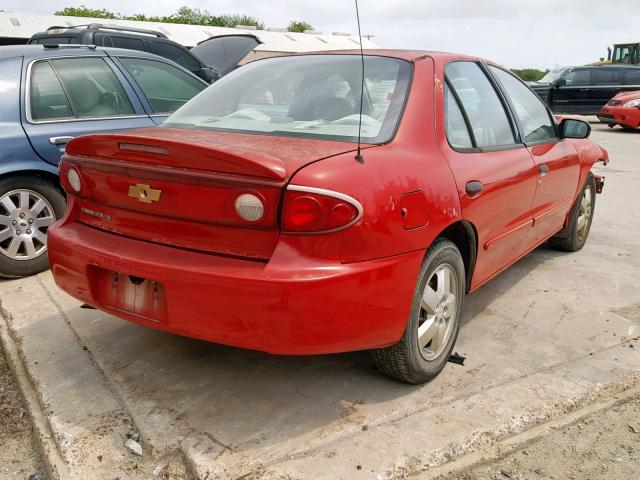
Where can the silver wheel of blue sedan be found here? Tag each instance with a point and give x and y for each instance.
(25, 216)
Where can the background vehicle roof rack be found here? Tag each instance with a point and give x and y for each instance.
(68, 45)
(102, 26)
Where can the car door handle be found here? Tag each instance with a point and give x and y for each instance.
(60, 140)
(474, 188)
(543, 169)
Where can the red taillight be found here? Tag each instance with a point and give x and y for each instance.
(314, 210)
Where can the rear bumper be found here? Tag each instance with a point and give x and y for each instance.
(289, 305)
(627, 117)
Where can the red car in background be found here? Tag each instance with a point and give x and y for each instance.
(623, 110)
(246, 219)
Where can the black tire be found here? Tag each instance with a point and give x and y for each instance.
(15, 268)
(574, 236)
(405, 361)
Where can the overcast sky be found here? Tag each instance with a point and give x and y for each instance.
(516, 33)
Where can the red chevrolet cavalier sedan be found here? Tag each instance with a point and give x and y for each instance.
(247, 220)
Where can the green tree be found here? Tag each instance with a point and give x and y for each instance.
(530, 74)
(83, 11)
(299, 26)
(185, 15)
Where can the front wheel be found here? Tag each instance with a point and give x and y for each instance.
(29, 205)
(434, 321)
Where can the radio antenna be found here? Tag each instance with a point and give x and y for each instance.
(359, 156)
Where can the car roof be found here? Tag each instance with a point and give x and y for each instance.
(32, 52)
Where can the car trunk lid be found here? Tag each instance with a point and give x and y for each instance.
(179, 187)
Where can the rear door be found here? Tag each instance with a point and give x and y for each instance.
(70, 96)
(163, 87)
(631, 79)
(606, 83)
(494, 172)
(572, 96)
(556, 160)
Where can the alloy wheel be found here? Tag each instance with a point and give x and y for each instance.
(438, 312)
(584, 214)
(25, 216)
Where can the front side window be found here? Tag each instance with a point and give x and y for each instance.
(166, 87)
(533, 115)
(312, 96)
(576, 78)
(91, 87)
(605, 76)
(480, 101)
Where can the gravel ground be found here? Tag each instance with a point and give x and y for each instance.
(19, 458)
(605, 445)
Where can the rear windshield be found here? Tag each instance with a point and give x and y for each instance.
(313, 96)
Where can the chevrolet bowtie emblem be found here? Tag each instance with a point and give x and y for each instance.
(144, 193)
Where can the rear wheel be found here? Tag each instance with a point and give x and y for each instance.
(28, 206)
(580, 219)
(434, 321)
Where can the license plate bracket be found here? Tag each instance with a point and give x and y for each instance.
(132, 294)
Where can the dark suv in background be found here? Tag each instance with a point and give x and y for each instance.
(210, 59)
(584, 90)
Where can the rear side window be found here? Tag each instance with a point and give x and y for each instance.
(456, 127)
(533, 115)
(178, 55)
(127, 42)
(605, 76)
(632, 76)
(166, 87)
(578, 78)
(47, 98)
(88, 85)
(486, 114)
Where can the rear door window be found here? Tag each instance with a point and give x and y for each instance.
(166, 87)
(632, 76)
(534, 117)
(127, 42)
(486, 113)
(46, 96)
(175, 53)
(90, 87)
(605, 76)
(455, 125)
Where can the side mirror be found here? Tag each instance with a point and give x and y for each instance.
(561, 82)
(572, 128)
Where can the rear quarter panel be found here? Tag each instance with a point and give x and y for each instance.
(411, 162)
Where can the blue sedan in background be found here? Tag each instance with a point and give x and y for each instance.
(50, 94)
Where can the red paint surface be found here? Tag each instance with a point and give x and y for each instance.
(625, 116)
(253, 286)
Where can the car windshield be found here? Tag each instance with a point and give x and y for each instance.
(313, 96)
(553, 75)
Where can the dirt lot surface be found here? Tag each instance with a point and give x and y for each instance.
(19, 457)
(549, 340)
(603, 446)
